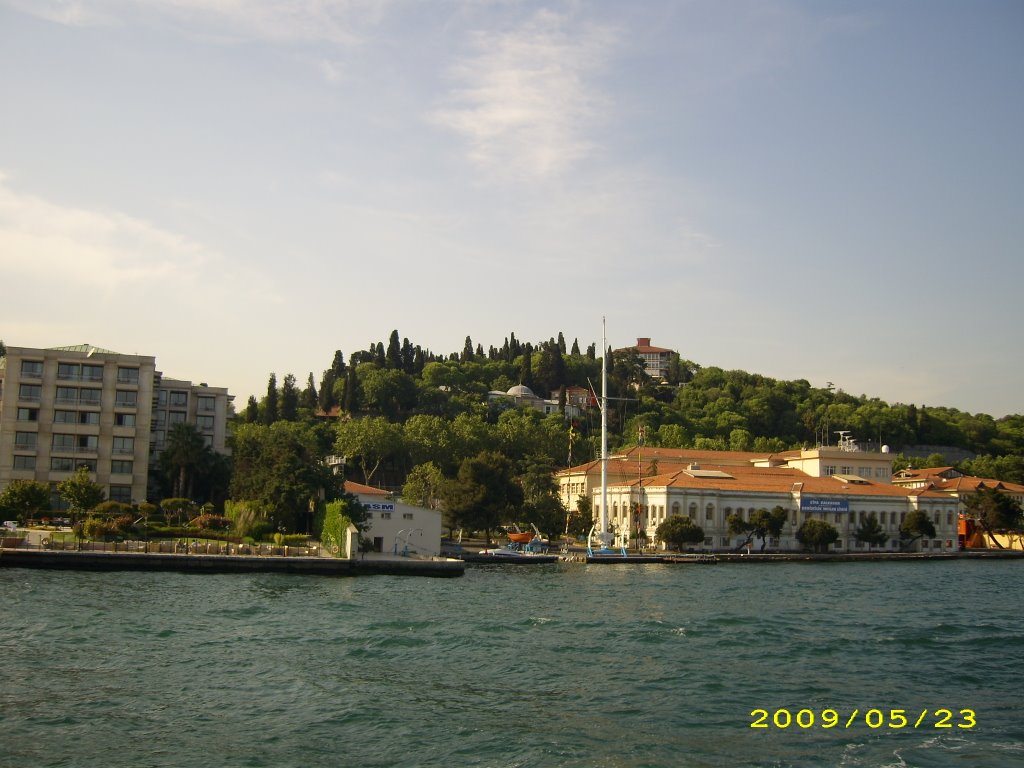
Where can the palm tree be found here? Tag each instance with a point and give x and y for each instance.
(183, 457)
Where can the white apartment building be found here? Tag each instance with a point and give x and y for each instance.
(66, 407)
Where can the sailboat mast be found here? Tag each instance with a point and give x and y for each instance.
(604, 434)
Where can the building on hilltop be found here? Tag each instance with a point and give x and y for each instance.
(523, 397)
(655, 359)
(67, 407)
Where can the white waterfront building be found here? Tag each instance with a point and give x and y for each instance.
(839, 484)
(397, 528)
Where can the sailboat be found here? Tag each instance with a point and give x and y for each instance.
(604, 552)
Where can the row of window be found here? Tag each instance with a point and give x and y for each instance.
(123, 398)
(77, 417)
(658, 512)
(65, 464)
(387, 515)
(28, 441)
(865, 472)
(78, 372)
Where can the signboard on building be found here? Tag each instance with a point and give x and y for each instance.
(829, 504)
(379, 506)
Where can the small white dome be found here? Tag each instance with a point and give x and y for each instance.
(520, 390)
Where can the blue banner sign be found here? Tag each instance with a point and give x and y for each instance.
(379, 506)
(830, 504)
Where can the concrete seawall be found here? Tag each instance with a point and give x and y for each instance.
(188, 563)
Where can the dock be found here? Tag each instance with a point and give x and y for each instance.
(195, 563)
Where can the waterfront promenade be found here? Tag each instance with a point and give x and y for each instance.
(224, 563)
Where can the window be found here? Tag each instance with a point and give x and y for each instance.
(159, 418)
(709, 513)
(158, 438)
(161, 397)
(92, 373)
(179, 399)
(204, 422)
(124, 420)
(89, 396)
(24, 462)
(879, 471)
(89, 464)
(385, 515)
(207, 405)
(25, 440)
(829, 469)
(69, 371)
(65, 417)
(28, 414)
(121, 493)
(62, 464)
(121, 467)
(126, 398)
(176, 417)
(32, 368)
(86, 442)
(124, 445)
(407, 516)
(127, 375)
(67, 394)
(63, 443)
(30, 392)
(88, 417)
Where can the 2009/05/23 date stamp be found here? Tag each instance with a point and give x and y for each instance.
(891, 719)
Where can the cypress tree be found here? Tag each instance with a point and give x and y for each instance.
(309, 397)
(252, 410)
(270, 411)
(394, 354)
(467, 350)
(326, 401)
(289, 399)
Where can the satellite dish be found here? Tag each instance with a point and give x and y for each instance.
(885, 449)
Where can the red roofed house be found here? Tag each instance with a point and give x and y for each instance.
(655, 358)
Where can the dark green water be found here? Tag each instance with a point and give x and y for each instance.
(565, 665)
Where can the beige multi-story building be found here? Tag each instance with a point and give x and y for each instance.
(182, 402)
(656, 359)
(67, 407)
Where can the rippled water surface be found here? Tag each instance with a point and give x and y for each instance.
(562, 665)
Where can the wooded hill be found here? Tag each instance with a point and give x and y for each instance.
(705, 407)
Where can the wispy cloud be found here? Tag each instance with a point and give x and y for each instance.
(60, 251)
(335, 21)
(525, 99)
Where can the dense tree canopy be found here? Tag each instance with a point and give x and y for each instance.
(404, 406)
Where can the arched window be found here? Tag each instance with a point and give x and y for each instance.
(692, 514)
(675, 508)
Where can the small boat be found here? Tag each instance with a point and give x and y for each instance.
(519, 537)
(513, 553)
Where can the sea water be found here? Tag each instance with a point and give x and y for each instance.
(555, 665)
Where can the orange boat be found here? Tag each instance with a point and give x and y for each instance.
(520, 538)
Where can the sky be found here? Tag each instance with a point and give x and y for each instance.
(830, 191)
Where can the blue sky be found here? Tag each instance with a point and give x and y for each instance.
(821, 190)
